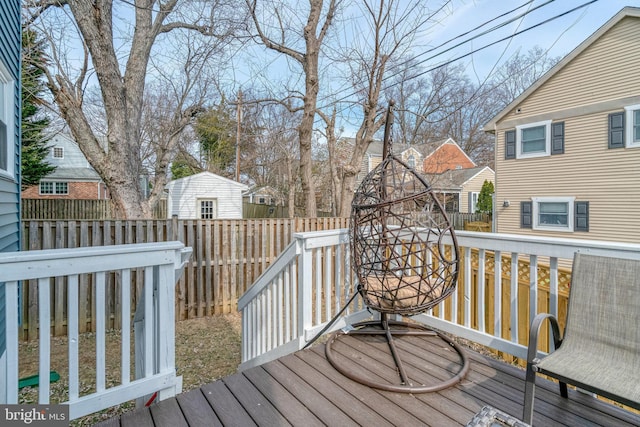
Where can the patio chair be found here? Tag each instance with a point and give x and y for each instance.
(405, 257)
(600, 350)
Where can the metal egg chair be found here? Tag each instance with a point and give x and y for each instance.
(405, 256)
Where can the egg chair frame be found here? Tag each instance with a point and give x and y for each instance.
(405, 256)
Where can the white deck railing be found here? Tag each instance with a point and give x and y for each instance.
(159, 263)
(311, 280)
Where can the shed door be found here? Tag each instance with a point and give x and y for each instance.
(207, 208)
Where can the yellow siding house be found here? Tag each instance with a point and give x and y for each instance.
(568, 148)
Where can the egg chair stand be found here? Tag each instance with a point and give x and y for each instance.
(404, 254)
(389, 329)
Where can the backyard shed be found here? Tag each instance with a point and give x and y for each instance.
(205, 196)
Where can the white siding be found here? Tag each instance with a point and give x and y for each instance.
(185, 193)
(474, 185)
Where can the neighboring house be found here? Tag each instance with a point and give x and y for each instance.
(9, 149)
(458, 189)
(568, 148)
(264, 195)
(432, 158)
(447, 155)
(74, 178)
(205, 196)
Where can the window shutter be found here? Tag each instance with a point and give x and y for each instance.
(510, 144)
(616, 130)
(557, 138)
(526, 214)
(581, 216)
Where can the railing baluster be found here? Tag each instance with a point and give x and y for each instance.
(533, 287)
(9, 394)
(481, 291)
(467, 287)
(73, 336)
(100, 331)
(148, 321)
(327, 283)
(317, 266)
(125, 292)
(497, 292)
(44, 320)
(514, 297)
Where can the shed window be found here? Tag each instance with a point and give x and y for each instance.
(208, 208)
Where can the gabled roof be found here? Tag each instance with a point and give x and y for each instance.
(205, 175)
(73, 174)
(449, 141)
(424, 149)
(455, 179)
(625, 12)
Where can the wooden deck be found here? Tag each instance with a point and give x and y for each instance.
(303, 389)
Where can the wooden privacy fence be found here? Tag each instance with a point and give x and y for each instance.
(228, 256)
(77, 209)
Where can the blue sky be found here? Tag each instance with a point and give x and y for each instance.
(559, 36)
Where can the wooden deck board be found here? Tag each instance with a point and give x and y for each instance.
(304, 389)
(196, 409)
(168, 414)
(289, 406)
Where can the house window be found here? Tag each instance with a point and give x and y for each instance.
(53, 187)
(633, 125)
(208, 208)
(58, 152)
(262, 200)
(533, 140)
(412, 161)
(553, 213)
(473, 201)
(7, 147)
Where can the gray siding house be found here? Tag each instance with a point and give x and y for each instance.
(10, 41)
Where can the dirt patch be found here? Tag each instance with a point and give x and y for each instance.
(206, 349)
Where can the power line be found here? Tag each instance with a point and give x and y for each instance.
(546, 21)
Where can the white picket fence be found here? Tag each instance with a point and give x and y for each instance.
(309, 283)
(67, 270)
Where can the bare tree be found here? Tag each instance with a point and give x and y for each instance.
(115, 53)
(302, 45)
(388, 30)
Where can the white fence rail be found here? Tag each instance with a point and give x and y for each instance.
(68, 270)
(300, 292)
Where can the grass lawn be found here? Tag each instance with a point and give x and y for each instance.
(206, 349)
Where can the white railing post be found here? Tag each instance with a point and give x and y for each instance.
(305, 309)
(9, 361)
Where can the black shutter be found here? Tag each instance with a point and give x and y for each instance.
(510, 144)
(526, 214)
(581, 216)
(557, 138)
(616, 130)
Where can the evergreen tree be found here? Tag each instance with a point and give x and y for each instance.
(485, 199)
(216, 130)
(34, 142)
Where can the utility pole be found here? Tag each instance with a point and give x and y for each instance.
(238, 120)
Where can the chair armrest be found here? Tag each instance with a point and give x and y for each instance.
(534, 334)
